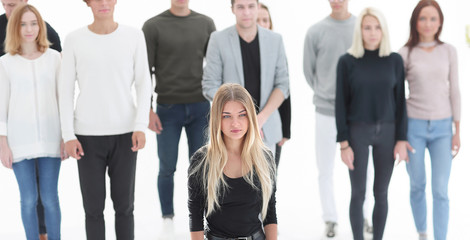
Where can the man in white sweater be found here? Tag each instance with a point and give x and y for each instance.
(107, 129)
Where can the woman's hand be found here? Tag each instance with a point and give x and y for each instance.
(283, 140)
(5, 153)
(455, 144)
(63, 153)
(347, 154)
(400, 152)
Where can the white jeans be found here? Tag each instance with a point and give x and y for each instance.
(325, 151)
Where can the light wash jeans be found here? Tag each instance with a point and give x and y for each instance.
(48, 171)
(436, 135)
(194, 118)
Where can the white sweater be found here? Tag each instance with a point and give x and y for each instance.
(106, 67)
(29, 113)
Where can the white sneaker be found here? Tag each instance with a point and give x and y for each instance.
(423, 236)
(330, 229)
(368, 231)
(168, 230)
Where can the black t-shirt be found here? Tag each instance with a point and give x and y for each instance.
(52, 35)
(240, 205)
(252, 69)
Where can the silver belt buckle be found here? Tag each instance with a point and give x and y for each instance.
(243, 238)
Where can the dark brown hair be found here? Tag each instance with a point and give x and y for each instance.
(414, 35)
(232, 1)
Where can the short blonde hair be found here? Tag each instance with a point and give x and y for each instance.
(357, 48)
(13, 38)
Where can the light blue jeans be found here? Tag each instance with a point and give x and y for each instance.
(436, 135)
(48, 171)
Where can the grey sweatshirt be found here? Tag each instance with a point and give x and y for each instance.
(325, 42)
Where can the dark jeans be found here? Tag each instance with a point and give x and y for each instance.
(194, 118)
(114, 154)
(381, 137)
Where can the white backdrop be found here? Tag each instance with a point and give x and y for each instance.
(299, 212)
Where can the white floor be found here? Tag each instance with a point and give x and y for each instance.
(298, 205)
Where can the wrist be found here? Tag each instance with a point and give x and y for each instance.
(344, 148)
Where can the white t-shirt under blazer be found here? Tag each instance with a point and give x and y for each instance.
(29, 111)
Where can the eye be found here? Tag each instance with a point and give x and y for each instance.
(421, 18)
(225, 116)
(23, 24)
(243, 115)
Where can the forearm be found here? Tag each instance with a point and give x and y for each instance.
(197, 235)
(275, 100)
(456, 127)
(3, 141)
(271, 231)
(344, 144)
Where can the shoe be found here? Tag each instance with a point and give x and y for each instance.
(330, 229)
(43, 236)
(423, 236)
(368, 230)
(168, 230)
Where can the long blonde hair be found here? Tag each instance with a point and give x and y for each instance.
(14, 39)
(357, 48)
(256, 157)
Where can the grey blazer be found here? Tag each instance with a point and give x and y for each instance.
(224, 65)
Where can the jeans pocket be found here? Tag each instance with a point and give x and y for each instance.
(165, 106)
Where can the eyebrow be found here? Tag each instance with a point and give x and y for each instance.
(238, 112)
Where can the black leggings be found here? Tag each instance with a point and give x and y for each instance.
(381, 137)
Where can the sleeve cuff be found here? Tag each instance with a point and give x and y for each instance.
(68, 136)
(3, 129)
(140, 127)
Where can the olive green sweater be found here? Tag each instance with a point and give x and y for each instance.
(176, 47)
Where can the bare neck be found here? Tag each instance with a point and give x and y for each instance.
(234, 146)
(103, 26)
(341, 15)
(180, 11)
(248, 34)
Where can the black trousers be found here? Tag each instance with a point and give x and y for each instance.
(381, 137)
(114, 154)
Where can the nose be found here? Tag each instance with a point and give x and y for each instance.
(235, 122)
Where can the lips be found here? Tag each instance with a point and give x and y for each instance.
(235, 130)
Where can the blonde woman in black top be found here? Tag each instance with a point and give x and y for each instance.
(370, 111)
(231, 179)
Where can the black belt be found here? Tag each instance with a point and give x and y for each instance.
(259, 235)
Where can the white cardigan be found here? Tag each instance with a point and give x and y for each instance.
(29, 112)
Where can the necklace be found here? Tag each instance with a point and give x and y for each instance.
(427, 44)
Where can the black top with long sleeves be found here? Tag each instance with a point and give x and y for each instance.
(370, 89)
(240, 205)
